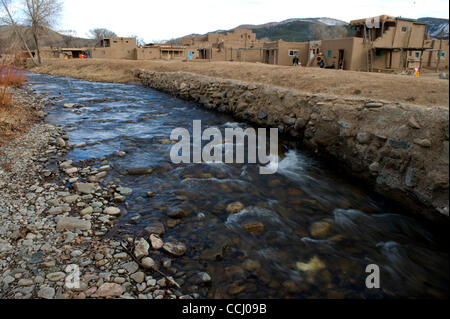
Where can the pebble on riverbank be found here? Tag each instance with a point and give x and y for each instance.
(51, 218)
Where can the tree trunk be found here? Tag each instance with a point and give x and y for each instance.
(36, 42)
(17, 31)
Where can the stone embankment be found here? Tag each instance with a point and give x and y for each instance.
(402, 150)
(55, 213)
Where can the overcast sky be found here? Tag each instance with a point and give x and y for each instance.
(166, 19)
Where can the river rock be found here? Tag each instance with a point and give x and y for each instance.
(110, 290)
(156, 241)
(373, 105)
(138, 277)
(423, 142)
(87, 211)
(130, 267)
(320, 229)
(72, 224)
(253, 227)
(262, 115)
(204, 277)
(71, 171)
(313, 265)
(84, 188)
(155, 228)
(148, 263)
(175, 248)
(125, 191)
(113, 211)
(141, 248)
(56, 276)
(139, 171)
(235, 207)
(46, 292)
(177, 213)
(60, 142)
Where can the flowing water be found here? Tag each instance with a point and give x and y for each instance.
(281, 261)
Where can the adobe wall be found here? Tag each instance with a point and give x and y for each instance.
(335, 45)
(400, 150)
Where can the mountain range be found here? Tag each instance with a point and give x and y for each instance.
(295, 30)
(307, 29)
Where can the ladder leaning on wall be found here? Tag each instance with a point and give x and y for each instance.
(368, 44)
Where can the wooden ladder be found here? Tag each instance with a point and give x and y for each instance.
(368, 43)
(370, 59)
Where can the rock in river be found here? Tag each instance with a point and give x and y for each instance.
(156, 241)
(177, 213)
(235, 207)
(253, 227)
(314, 264)
(155, 228)
(320, 229)
(113, 211)
(139, 171)
(141, 249)
(174, 247)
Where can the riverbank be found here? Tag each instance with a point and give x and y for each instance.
(47, 226)
(425, 91)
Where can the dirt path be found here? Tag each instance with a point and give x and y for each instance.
(427, 90)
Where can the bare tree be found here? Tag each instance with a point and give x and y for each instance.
(68, 37)
(139, 41)
(10, 20)
(41, 15)
(324, 32)
(101, 33)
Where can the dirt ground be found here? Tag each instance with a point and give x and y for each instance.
(17, 118)
(426, 90)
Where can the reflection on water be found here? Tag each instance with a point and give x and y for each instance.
(304, 232)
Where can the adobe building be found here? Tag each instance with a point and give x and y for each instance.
(162, 52)
(238, 45)
(283, 53)
(436, 58)
(115, 48)
(388, 44)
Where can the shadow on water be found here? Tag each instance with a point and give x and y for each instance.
(277, 257)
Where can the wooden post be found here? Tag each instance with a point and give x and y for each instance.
(439, 52)
(423, 46)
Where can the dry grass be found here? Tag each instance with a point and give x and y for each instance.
(426, 90)
(10, 77)
(15, 116)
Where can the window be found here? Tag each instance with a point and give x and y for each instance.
(379, 53)
(293, 52)
(417, 54)
(329, 53)
(404, 29)
(443, 54)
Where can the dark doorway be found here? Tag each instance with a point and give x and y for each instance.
(341, 59)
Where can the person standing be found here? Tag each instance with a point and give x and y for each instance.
(295, 61)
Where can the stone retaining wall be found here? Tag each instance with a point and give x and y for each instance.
(402, 150)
